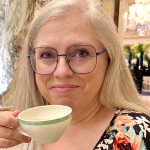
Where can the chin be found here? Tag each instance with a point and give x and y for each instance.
(66, 102)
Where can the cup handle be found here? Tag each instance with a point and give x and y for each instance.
(22, 132)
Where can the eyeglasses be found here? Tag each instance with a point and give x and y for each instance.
(82, 59)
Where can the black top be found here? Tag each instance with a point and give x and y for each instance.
(128, 130)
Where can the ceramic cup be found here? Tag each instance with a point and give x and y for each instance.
(45, 124)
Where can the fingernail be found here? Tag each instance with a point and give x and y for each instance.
(28, 139)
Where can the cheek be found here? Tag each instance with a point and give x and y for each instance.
(93, 82)
(41, 83)
(95, 79)
(38, 81)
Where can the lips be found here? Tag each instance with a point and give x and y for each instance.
(64, 88)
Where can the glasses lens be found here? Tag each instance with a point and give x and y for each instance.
(43, 60)
(82, 58)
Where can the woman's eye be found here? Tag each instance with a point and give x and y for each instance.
(46, 55)
(82, 53)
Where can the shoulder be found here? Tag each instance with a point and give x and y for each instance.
(126, 118)
(131, 118)
(134, 127)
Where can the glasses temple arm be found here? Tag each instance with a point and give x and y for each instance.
(99, 53)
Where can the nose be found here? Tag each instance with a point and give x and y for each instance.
(63, 70)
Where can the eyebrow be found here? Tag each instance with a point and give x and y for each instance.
(79, 43)
(74, 44)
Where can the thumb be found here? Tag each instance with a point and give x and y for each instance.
(16, 113)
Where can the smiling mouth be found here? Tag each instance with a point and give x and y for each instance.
(64, 88)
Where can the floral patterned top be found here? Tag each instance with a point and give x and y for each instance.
(128, 130)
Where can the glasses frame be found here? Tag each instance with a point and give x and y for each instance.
(97, 54)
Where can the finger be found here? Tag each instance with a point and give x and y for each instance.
(16, 113)
(6, 143)
(9, 133)
(8, 119)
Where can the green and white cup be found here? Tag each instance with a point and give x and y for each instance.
(45, 124)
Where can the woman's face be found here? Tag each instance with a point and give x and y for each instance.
(63, 86)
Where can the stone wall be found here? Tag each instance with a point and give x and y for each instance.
(15, 16)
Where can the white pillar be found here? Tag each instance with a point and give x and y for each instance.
(122, 10)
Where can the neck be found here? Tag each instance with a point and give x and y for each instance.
(84, 115)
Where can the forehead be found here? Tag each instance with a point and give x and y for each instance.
(72, 21)
(66, 30)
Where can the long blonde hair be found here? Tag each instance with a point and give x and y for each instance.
(118, 88)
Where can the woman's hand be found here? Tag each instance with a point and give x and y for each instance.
(9, 137)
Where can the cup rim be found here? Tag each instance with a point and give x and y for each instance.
(45, 122)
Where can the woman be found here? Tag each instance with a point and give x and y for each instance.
(90, 75)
